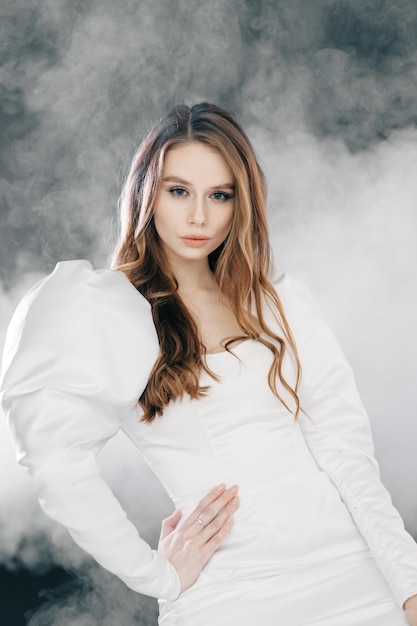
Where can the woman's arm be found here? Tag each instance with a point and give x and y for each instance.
(78, 354)
(339, 437)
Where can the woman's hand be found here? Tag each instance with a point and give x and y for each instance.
(410, 607)
(190, 542)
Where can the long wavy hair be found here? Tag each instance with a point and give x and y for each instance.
(241, 264)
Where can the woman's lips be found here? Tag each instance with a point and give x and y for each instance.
(195, 242)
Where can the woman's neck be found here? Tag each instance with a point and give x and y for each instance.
(193, 277)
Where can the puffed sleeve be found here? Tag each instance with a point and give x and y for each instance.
(339, 438)
(78, 354)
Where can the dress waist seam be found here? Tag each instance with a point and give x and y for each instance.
(265, 483)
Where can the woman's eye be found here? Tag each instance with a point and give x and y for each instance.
(178, 191)
(221, 196)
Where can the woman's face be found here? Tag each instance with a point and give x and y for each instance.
(194, 206)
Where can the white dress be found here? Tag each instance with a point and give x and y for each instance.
(316, 540)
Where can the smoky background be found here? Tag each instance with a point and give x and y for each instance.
(327, 91)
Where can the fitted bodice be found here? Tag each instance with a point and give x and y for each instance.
(239, 433)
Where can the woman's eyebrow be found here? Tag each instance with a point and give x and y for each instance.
(177, 179)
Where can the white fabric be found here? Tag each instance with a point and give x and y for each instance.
(78, 353)
(77, 357)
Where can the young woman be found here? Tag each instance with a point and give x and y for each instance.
(221, 370)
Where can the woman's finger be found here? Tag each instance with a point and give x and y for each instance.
(214, 543)
(210, 507)
(170, 523)
(220, 520)
(212, 495)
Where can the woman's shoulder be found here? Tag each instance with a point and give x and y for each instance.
(75, 288)
(76, 283)
(308, 322)
(292, 292)
(89, 319)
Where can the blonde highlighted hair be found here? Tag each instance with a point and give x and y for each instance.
(241, 264)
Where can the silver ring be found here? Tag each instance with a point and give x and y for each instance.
(200, 522)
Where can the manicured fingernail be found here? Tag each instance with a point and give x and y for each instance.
(219, 488)
(233, 490)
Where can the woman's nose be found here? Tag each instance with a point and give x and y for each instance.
(198, 212)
